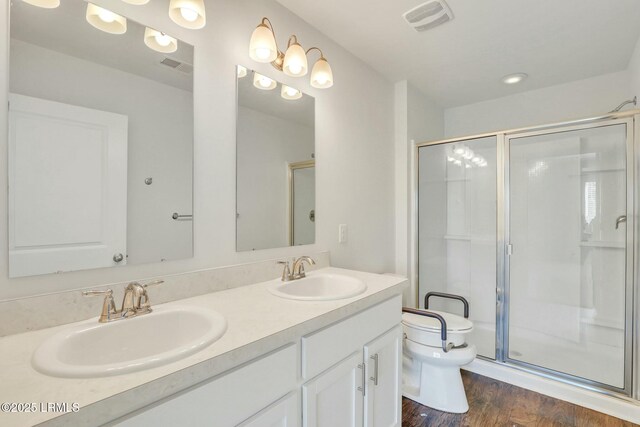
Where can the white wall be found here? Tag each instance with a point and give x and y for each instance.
(579, 99)
(634, 70)
(160, 143)
(354, 148)
(417, 119)
(266, 145)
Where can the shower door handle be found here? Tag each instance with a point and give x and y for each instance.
(620, 219)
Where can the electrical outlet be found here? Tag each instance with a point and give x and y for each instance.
(342, 233)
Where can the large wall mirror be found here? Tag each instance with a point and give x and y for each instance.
(100, 141)
(275, 164)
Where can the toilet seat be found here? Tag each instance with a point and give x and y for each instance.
(426, 330)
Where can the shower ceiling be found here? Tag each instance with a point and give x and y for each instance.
(462, 61)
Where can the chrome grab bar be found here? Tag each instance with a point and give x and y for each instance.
(177, 216)
(450, 296)
(443, 325)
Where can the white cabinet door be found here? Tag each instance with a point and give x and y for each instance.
(383, 402)
(334, 398)
(67, 187)
(283, 413)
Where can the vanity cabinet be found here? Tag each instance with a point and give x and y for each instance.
(363, 387)
(347, 374)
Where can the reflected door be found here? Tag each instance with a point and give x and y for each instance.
(457, 231)
(67, 187)
(568, 264)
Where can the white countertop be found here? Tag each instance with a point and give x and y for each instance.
(258, 322)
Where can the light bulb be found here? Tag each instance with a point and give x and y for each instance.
(263, 53)
(291, 91)
(295, 68)
(295, 61)
(188, 14)
(106, 16)
(321, 74)
(263, 82)
(163, 39)
(241, 71)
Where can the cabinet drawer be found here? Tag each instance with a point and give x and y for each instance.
(228, 399)
(322, 349)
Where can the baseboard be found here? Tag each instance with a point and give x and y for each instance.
(628, 410)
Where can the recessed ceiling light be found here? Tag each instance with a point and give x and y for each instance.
(512, 79)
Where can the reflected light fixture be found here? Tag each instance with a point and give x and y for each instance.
(136, 2)
(159, 41)
(105, 20)
(188, 13)
(512, 79)
(241, 71)
(46, 4)
(290, 93)
(264, 48)
(263, 82)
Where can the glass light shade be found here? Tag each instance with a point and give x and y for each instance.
(188, 13)
(290, 93)
(295, 61)
(105, 20)
(263, 82)
(262, 47)
(321, 74)
(159, 42)
(241, 71)
(136, 2)
(46, 4)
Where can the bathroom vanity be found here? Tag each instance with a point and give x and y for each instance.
(281, 361)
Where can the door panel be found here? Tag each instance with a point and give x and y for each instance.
(333, 398)
(68, 176)
(567, 271)
(383, 402)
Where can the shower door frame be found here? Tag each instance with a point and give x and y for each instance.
(632, 296)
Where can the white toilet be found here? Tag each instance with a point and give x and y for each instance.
(431, 376)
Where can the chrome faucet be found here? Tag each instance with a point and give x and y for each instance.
(297, 271)
(134, 303)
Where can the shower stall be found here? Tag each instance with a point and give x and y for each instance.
(535, 227)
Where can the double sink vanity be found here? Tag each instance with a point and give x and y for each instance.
(315, 350)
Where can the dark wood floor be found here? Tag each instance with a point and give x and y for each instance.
(494, 403)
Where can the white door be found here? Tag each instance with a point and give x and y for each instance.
(383, 401)
(334, 398)
(67, 187)
(283, 413)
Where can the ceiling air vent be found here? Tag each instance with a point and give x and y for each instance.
(428, 15)
(177, 65)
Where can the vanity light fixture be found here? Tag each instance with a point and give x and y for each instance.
(188, 13)
(136, 2)
(290, 93)
(264, 48)
(159, 41)
(105, 20)
(263, 82)
(241, 71)
(512, 79)
(46, 4)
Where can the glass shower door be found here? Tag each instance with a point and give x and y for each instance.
(568, 304)
(457, 231)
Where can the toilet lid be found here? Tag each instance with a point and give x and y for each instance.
(454, 323)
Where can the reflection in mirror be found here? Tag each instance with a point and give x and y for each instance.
(100, 141)
(275, 164)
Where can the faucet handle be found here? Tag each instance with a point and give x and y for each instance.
(95, 293)
(153, 283)
(108, 306)
(286, 272)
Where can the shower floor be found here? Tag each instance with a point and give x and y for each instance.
(495, 403)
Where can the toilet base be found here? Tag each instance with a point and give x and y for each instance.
(438, 386)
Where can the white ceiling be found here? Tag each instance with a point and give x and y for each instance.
(65, 29)
(462, 61)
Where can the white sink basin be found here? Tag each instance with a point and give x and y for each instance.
(319, 287)
(93, 349)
